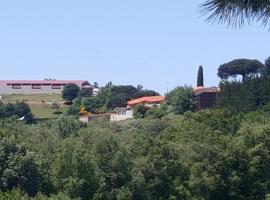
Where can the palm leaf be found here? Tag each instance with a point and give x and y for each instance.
(237, 12)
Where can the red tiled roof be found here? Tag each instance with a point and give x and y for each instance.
(78, 82)
(200, 90)
(151, 99)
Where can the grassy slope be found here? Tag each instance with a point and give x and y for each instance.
(32, 98)
(45, 111)
(38, 103)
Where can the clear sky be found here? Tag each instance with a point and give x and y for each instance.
(155, 43)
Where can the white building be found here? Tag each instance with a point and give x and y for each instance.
(121, 114)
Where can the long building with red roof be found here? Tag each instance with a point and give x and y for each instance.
(47, 86)
(147, 101)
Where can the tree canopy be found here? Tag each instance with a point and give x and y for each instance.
(245, 67)
(181, 99)
(70, 92)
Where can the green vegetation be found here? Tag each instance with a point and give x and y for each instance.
(139, 111)
(70, 92)
(212, 154)
(181, 99)
(41, 105)
(200, 77)
(13, 98)
(19, 110)
(168, 152)
(46, 111)
(247, 68)
(109, 97)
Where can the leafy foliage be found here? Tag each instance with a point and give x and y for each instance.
(92, 104)
(181, 99)
(218, 153)
(18, 168)
(139, 111)
(246, 68)
(200, 77)
(18, 110)
(70, 92)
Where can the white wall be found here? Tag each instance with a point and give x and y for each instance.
(116, 117)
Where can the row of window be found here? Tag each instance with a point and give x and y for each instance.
(34, 86)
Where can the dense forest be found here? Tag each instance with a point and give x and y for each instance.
(170, 153)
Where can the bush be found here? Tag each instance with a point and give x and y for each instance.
(70, 92)
(181, 99)
(139, 111)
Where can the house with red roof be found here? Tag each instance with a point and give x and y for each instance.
(147, 101)
(47, 86)
(205, 97)
(122, 113)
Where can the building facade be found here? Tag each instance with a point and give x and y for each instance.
(205, 97)
(38, 87)
(121, 114)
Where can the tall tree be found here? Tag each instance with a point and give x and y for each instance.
(267, 65)
(18, 168)
(237, 12)
(200, 77)
(70, 92)
(95, 85)
(181, 99)
(245, 67)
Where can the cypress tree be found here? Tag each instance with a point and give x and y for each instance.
(200, 77)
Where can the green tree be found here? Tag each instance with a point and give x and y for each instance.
(92, 104)
(18, 168)
(237, 12)
(67, 126)
(244, 96)
(267, 66)
(18, 110)
(157, 112)
(74, 171)
(200, 77)
(139, 111)
(86, 92)
(115, 169)
(70, 92)
(181, 99)
(145, 93)
(95, 85)
(245, 67)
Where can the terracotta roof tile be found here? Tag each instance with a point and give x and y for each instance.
(151, 99)
(200, 90)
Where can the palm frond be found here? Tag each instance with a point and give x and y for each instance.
(237, 12)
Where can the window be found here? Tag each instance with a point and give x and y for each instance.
(36, 86)
(16, 86)
(56, 86)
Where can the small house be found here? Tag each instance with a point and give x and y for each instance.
(121, 113)
(147, 101)
(205, 97)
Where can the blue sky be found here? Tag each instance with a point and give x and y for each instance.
(155, 43)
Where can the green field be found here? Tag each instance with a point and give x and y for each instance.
(45, 111)
(40, 104)
(12, 98)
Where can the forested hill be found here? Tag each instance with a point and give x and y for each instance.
(212, 154)
(169, 152)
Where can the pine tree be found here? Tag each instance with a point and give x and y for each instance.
(200, 77)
